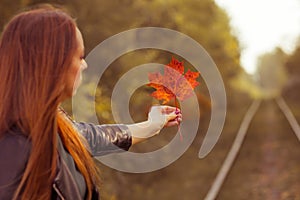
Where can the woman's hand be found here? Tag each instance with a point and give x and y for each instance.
(161, 116)
(158, 117)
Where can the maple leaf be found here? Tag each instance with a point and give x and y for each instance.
(173, 83)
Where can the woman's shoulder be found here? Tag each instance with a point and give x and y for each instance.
(14, 154)
(14, 148)
(14, 140)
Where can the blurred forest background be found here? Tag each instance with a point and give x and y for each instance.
(189, 177)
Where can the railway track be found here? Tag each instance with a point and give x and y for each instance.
(263, 178)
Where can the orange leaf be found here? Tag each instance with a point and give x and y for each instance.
(173, 83)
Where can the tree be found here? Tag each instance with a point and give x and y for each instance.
(293, 85)
(271, 72)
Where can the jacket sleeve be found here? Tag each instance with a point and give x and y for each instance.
(105, 139)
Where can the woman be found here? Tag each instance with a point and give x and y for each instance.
(43, 154)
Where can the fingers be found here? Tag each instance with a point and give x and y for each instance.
(179, 117)
(168, 109)
(172, 123)
(175, 121)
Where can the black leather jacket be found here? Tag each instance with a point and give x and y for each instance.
(15, 150)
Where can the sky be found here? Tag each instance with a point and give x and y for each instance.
(263, 25)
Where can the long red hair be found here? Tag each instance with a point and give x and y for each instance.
(36, 49)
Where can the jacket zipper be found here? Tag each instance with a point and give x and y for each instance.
(58, 192)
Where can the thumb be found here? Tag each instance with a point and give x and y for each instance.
(171, 116)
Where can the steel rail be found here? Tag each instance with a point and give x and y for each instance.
(231, 156)
(289, 116)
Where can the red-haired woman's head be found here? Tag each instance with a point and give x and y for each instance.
(37, 50)
(41, 59)
(38, 47)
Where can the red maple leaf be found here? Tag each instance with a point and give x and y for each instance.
(173, 83)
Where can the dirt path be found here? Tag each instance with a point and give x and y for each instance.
(268, 166)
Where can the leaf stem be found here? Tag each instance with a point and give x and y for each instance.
(176, 106)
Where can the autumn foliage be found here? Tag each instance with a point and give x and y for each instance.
(174, 82)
